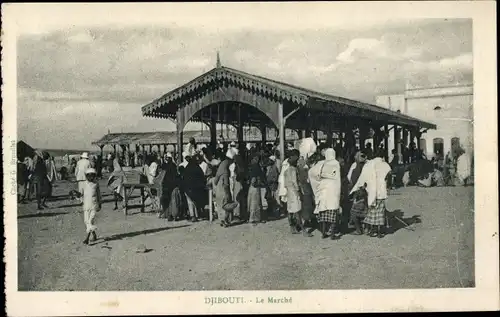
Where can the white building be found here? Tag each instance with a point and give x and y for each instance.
(449, 107)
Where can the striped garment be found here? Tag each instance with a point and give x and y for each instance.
(376, 214)
(359, 208)
(328, 216)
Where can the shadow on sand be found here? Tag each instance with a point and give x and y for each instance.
(42, 214)
(396, 219)
(121, 236)
(76, 204)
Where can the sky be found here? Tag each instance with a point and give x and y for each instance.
(82, 72)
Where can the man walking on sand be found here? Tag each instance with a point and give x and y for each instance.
(81, 166)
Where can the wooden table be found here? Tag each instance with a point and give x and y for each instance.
(128, 189)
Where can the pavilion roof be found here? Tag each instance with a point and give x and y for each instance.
(167, 105)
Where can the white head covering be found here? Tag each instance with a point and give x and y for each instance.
(230, 154)
(373, 174)
(168, 154)
(272, 158)
(249, 146)
(85, 155)
(329, 154)
(233, 143)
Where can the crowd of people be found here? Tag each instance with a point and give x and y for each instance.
(36, 176)
(316, 186)
(312, 187)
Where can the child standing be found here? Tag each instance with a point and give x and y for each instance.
(359, 208)
(91, 203)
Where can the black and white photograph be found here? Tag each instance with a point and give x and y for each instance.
(195, 147)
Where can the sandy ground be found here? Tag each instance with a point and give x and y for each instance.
(203, 256)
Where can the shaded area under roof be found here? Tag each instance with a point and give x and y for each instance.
(170, 137)
(167, 105)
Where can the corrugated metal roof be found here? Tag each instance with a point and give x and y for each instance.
(277, 89)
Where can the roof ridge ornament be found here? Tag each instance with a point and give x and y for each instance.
(218, 60)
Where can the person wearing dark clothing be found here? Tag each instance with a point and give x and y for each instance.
(170, 203)
(368, 151)
(358, 208)
(272, 176)
(195, 188)
(23, 181)
(256, 181)
(41, 182)
(406, 155)
(98, 167)
(394, 159)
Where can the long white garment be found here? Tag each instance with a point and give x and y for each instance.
(81, 166)
(373, 174)
(313, 174)
(329, 183)
(463, 166)
(281, 181)
(349, 174)
(232, 169)
(91, 203)
(152, 170)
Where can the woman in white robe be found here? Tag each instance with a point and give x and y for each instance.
(373, 176)
(463, 168)
(281, 181)
(325, 180)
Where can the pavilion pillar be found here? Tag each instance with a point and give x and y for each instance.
(239, 134)
(114, 149)
(362, 136)
(101, 147)
(263, 132)
(397, 142)
(213, 134)
(412, 137)
(386, 142)
(315, 136)
(378, 137)
(307, 133)
(406, 143)
(418, 136)
(350, 143)
(405, 136)
(180, 135)
(329, 136)
(281, 127)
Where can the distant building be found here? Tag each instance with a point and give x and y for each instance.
(449, 107)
